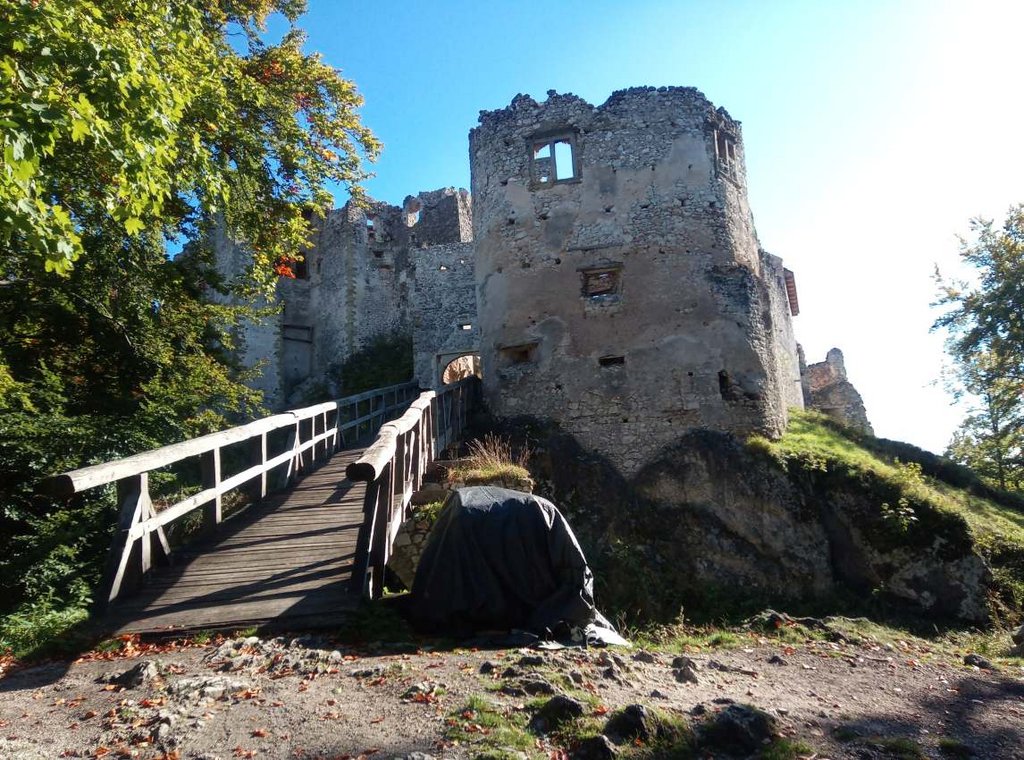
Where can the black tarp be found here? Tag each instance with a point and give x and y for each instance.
(499, 560)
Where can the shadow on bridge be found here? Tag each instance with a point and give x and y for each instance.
(289, 558)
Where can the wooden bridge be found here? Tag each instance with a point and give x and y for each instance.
(292, 519)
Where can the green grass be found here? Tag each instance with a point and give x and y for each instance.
(492, 459)
(899, 747)
(785, 749)
(377, 621)
(919, 495)
(35, 631)
(428, 513)
(954, 748)
(505, 473)
(489, 729)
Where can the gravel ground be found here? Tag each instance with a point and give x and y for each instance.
(307, 697)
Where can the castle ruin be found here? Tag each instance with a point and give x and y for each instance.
(605, 274)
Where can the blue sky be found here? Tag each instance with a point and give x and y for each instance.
(873, 131)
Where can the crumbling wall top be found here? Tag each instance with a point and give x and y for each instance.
(524, 108)
(432, 217)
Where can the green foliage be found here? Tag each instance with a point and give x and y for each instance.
(917, 499)
(899, 747)
(786, 749)
(985, 340)
(429, 513)
(492, 460)
(382, 361)
(377, 620)
(901, 516)
(37, 629)
(504, 733)
(124, 125)
(131, 117)
(954, 748)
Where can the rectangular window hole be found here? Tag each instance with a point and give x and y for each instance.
(601, 283)
(524, 353)
(466, 326)
(565, 164)
(612, 361)
(297, 333)
(553, 159)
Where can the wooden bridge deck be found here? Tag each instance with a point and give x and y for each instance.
(285, 561)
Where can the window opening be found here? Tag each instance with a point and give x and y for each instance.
(413, 207)
(297, 333)
(553, 159)
(466, 326)
(565, 166)
(460, 367)
(725, 153)
(524, 353)
(370, 229)
(601, 284)
(611, 361)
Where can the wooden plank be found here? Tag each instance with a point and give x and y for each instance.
(289, 557)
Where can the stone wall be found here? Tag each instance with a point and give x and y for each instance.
(783, 306)
(831, 392)
(357, 283)
(258, 344)
(620, 282)
(444, 309)
(607, 272)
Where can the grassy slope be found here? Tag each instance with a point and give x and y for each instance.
(996, 520)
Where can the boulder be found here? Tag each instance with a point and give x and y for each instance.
(556, 711)
(136, 676)
(739, 729)
(632, 722)
(595, 748)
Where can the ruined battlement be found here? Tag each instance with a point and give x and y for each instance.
(605, 273)
(622, 289)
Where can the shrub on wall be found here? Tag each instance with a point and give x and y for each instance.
(382, 361)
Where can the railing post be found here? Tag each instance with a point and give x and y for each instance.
(127, 559)
(296, 459)
(258, 457)
(382, 525)
(209, 465)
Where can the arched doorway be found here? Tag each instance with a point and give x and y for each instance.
(458, 367)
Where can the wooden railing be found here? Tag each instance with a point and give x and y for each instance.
(312, 435)
(393, 468)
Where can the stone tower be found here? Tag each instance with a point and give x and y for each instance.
(621, 288)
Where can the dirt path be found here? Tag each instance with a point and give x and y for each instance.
(304, 698)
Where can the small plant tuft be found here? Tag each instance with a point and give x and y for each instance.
(492, 459)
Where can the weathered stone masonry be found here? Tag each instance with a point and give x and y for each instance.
(622, 290)
(607, 272)
(359, 281)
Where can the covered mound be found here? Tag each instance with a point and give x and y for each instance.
(499, 560)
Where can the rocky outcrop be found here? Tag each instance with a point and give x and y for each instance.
(714, 522)
(828, 390)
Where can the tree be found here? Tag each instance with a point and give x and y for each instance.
(990, 440)
(130, 116)
(985, 324)
(125, 124)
